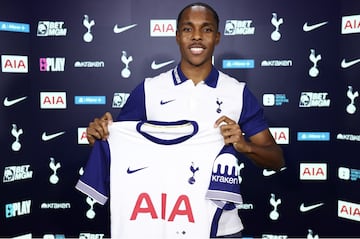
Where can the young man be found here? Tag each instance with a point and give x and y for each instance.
(195, 90)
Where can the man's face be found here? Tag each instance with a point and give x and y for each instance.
(197, 36)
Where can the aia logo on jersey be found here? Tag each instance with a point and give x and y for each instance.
(162, 28)
(82, 136)
(53, 100)
(313, 171)
(14, 64)
(349, 210)
(281, 135)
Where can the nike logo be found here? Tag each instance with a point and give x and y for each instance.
(163, 102)
(8, 102)
(304, 208)
(47, 137)
(118, 29)
(130, 171)
(345, 64)
(268, 173)
(156, 66)
(308, 28)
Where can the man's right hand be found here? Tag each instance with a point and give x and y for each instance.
(98, 129)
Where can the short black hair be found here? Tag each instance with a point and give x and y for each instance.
(207, 6)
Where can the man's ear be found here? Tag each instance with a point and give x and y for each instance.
(218, 36)
(177, 36)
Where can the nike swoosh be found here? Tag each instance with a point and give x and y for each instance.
(304, 208)
(156, 66)
(268, 173)
(308, 28)
(345, 64)
(118, 29)
(46, 137)
(130, 171)
(8, 102)
(163, 102)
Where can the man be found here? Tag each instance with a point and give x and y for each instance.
(195, 90)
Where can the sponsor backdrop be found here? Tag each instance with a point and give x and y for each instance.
(65, 62)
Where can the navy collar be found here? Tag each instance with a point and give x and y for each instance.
(211, 80)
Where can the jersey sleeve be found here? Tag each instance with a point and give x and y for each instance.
(134, 108)
(252, 120)
(95, 181)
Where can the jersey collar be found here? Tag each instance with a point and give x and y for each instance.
(211, 80)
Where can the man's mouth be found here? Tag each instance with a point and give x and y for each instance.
(196, 50)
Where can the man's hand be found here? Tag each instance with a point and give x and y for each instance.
(98, 129)
(232, 133)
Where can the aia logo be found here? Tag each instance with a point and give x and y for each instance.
(281, 135)
(162, 28)
(350, 24)
(14, 64)
(82, 136)
(53, 100)
(313, 171)
(349, 210)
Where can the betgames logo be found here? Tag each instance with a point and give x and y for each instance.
(14, 64)
(313, 171)
(52, 64)
(53, 100)
(350, 24)
(162, 28)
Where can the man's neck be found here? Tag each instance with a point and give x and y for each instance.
(196, 73)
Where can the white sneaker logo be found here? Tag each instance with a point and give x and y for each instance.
(47, 137)
(156, 66)
(308, 28)
(304, 208)
(8, 102)
(118, 29)
(345, 64)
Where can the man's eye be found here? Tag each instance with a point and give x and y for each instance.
(186, 29)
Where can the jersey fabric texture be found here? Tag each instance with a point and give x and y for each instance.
(167, 180)
(170, 96)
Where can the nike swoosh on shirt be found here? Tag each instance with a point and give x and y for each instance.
(8, 102)
(130, 171)
(345, 64)
(47, 137)
(308, 28)
(268, 173)
(156, 66)
(163, 102)
(118, 29)
(304, 208)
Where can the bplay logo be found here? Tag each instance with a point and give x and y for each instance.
(14, 64)
(313, 171)
(52, 64)
(17, 208)
(162, 28)
(53, 100)
(350, 24)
